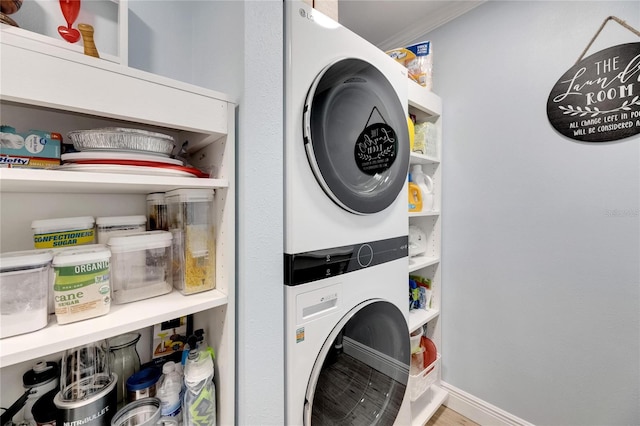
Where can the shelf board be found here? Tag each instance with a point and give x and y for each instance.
(419, 262)
(60, 181)
(424, 99)
(422, 214)
(416, 158)
(419, 317)
(423, 408)
(120, 319)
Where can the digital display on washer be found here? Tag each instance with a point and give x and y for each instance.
(301, 268)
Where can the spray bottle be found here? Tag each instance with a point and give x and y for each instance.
(199, 401)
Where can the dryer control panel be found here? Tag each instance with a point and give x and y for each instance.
(302, 268)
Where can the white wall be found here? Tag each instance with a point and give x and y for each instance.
(541, 307)
(236, 47)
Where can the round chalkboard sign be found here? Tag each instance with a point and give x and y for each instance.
(598, 99)
(376, 148)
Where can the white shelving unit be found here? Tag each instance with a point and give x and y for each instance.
(48, 88)
(427, 106)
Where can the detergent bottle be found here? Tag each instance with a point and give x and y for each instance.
(415, 196)
(425, 184)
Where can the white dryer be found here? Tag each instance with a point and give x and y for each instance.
(346, 161)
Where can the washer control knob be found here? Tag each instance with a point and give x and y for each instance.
(365, 255)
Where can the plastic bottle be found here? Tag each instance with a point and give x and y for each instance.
(415, 196)
(199, 402)
(169, 390)
(425, 184)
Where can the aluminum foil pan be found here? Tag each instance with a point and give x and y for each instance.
(122, 139)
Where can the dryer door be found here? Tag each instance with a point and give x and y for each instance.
(356, 136)
(362, 371)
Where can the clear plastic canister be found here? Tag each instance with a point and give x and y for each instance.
(111, 226)
(157, 212)
(191, 221)
(25, 283)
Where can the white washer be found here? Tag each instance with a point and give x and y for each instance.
(347, 349)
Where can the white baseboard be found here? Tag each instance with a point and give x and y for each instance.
(478, 410)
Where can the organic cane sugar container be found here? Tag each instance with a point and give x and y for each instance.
(63, 232)
(25, 280)
(81, 285)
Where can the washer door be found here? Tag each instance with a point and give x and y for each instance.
(361, 373)
(356, 136)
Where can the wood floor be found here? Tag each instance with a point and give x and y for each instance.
(447, 417)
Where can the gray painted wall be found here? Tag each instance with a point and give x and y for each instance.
(540, 284)
(236, 47)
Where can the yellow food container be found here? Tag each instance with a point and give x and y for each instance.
(63, 232)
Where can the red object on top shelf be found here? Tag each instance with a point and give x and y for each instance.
(70, 10)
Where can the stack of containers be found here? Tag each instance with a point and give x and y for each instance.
(126, 264)
(191, 221)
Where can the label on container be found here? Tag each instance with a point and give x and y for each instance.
(81, 291)
(64, 238)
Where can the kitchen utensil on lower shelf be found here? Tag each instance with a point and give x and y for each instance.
(70, 10)
(125, 361)
(88, 392)
(8, 414)
(42, 378)
(143, 412)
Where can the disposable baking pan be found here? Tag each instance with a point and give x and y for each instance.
(122, 139)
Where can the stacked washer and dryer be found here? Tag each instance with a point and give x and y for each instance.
(347, 349)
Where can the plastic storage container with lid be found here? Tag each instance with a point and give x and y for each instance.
(157, 212)
(63, 232)
(143, 384)
(141, 265)
(111, 226)
(191, 221)
(25, 281)
(81, 285)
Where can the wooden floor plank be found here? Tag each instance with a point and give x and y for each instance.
(447, 417)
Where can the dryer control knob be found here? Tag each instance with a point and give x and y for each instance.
(365, 255)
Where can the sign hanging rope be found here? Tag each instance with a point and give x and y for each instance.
(610, 18)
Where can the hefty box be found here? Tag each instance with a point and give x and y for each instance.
(33, 149)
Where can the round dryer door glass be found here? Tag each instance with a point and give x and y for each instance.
(361, 373)
(356, 136)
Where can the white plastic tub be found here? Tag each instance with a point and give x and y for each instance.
(420, 382)
(25, 281)
(63, 232)
(81, 287)
(141, 265)
(111, 226)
